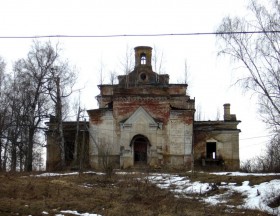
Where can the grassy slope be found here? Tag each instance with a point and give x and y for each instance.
(118, 195)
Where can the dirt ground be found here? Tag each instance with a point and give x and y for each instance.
(126, 194)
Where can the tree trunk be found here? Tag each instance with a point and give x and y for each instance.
(29, 156)
(82, 152)
(5, 155)
(61, 142)
(1, 145)
(13, 155)
(77, 137)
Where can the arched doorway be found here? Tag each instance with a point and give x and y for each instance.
(140, 145)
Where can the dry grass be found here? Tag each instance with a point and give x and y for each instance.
(217, 179)
(119, 195)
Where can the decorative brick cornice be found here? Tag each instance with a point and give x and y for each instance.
(139, 98)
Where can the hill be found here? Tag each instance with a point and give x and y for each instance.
(139, 193)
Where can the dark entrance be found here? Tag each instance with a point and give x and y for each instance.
(140, 150)
(211, 150)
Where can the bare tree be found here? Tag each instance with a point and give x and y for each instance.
(5, 116)
(158, 60)
(77, 135)
(16, 111)
(218, 114)
(14, 128)
(3, 110)
(198, 113)
(79, 146)
(113, 76)
(269, 161)
(272, 154)
(31, 76)
(104, 151)
(2, 72)
(35, 91)
(127, 63)
(61, 80)
(187, 72)
(101, 73)
(46, 81)
(258, 54)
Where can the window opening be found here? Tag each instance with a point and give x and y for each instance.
(211, 150)
(143, 59)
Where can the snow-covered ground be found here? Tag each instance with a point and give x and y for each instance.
(256, 196)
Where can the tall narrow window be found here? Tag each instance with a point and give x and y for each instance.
(211, 150)
(143, 59)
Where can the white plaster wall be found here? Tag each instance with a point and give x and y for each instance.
(180, 137)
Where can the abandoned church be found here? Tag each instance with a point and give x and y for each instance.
(145, 120)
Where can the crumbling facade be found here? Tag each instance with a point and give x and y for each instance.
(145, 120)
(217, 142)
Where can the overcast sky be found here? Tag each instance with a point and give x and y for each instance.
(211, 77)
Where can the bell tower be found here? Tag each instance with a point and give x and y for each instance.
(143, 56)
(143, 73)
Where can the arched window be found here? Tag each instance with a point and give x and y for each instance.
(143, 58)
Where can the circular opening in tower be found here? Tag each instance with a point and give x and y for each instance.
(143, 76)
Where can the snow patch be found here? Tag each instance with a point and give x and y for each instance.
(257, 196)
(76, 213)
(243, 174)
